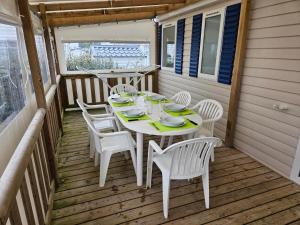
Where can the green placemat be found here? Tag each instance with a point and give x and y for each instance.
(163, 128)
(125, 94)
(182, 113)
(126, 119)
(115, 104)
(154, 102)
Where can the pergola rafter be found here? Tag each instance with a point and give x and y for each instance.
(95, 12)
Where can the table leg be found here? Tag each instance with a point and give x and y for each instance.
(139, 153)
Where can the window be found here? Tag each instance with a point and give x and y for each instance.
(106, 55)
(43, 61)
(210, 48)
(168, 46)
(12, 97)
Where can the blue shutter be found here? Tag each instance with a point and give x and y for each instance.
(179, 46)
(158, 42)
(195, 46)
(229, 43)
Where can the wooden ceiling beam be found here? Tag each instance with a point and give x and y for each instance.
(103, 4)
(96, 19)
(156, 9)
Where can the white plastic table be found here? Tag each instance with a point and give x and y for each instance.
(142, 127)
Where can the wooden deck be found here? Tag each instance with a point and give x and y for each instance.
(242, 190)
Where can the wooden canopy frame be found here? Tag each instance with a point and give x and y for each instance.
(94, 12)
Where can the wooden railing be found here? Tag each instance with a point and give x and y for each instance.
(28, 182)
(91, 90)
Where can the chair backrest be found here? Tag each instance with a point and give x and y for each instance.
(182, 97)
(92, 131)
(211, 111)
(81, 105)
(190, 158)
(122, 88)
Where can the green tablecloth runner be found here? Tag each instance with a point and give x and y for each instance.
(154, 102)
(115, 104)
(144, 117)
(182, 113)
(163, 128)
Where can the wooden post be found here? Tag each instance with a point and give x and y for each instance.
(50, 60)
(36, 76)
(237, 70)
(55, 51)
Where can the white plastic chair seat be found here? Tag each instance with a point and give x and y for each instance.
(105, 125)
(116, 143)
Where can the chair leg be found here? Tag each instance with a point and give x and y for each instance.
(126, 155)
(170, 140)
(104, 158)
(133, 158)
(212, 156)
(92, 147)
(149, 173)
(162, 141)
(166, 191)
(205, 181)
(96, 158)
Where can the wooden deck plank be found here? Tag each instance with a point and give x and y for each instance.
(241, 190)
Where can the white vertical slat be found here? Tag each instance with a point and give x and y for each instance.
(38, 184)
(119, 80)
(105, 90)
(79, 89)
(97, 90)
(135, 83)
(127, 80)
(150, 83)
(32, 203)
(70, 92)
(21, 208)
(88, 90)
(8, 222)
(143, 84)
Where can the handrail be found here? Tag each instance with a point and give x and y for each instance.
(50, 95)
(13, 175)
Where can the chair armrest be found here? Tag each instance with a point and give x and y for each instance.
(95, 106)
(115, 134)
(98, 106)
(155, 147)
(101, 115)
(103, 118)
(209, 121)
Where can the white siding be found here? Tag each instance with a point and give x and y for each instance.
(271, 76)
(170, 83)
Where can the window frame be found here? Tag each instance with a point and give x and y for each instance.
(208, 14)
(170, 24)
(64, 62)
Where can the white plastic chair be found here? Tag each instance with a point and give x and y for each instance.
(107, 144)
(122, 88)
(184, 160)
(100, 125)
(103, 125)
(211, 111)
(183, 98)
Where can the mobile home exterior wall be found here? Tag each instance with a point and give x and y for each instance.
(271, 79)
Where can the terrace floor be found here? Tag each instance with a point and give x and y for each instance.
(242, 190)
